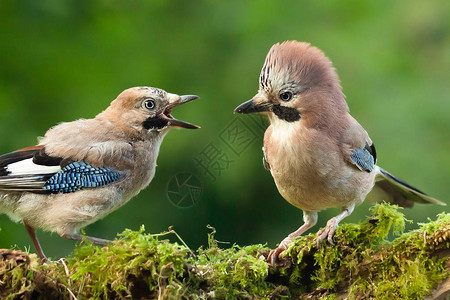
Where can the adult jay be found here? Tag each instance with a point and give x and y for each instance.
(318, 154)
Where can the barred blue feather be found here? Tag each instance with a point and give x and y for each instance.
(363, 158)
(79, 175)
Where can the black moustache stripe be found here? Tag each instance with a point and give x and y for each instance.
(288, 114)
(155, 123)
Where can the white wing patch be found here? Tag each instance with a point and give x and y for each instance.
(27, 167)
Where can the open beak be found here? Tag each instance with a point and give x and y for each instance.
(250, 107)
(167, 114)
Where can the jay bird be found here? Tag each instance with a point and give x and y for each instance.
(82, 170)
(318, 154)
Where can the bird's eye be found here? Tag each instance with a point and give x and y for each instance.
(286, 96)
(149, 104)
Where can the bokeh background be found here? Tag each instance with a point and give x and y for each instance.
(64, 60)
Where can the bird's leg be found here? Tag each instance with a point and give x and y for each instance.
(332, 224)
(310, 219)
(79, 237)
(31, 231)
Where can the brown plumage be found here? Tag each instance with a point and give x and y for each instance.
(317, 153)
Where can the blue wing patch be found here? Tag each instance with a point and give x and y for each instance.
(79, 175)
(363, 158)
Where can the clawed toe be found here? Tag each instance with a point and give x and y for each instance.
(327, 233)
(46, 261)
(275, 253)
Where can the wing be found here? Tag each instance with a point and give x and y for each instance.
(79, 175)
(20, 171)
(364, 158)
(32, 170)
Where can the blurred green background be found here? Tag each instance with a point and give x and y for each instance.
(64, 60)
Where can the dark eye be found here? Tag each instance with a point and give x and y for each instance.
(286, 96)
(149, 104)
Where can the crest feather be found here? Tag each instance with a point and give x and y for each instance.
(293, 61)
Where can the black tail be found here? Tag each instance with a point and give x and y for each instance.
(400, 192)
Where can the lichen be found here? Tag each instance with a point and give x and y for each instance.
(366, 263)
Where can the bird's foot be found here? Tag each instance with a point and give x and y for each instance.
(45, 261)
(98, 241)
(275, 253)
(327, 232)
(79, 237)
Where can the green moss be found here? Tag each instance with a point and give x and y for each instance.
(364, 264)
(16, 274)
(236, 272)
(142, 265)
(136, 259)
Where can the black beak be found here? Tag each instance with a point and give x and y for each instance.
(249, 107)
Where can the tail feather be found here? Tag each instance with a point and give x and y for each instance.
(400, 192)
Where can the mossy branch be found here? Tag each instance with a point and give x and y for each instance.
(362, 265)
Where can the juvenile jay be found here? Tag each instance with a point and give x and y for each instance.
(82, 170)
(317, 153)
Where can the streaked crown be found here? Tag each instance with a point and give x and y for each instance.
(297, 63)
